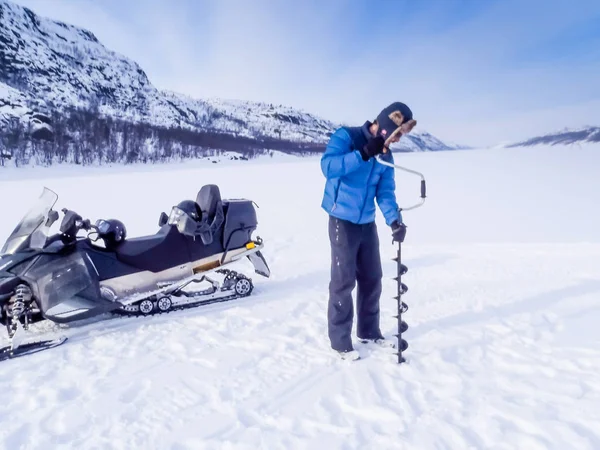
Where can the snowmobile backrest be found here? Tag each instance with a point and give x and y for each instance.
(209, 200)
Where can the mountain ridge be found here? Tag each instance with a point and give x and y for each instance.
(48, 67)
(566, 136)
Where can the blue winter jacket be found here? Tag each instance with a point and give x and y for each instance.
(352, 184)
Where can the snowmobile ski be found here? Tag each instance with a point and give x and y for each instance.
(29, 348)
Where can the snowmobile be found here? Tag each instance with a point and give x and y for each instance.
(66, 277)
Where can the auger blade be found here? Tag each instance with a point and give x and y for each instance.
(403, 268)
(403, 326)
(403, 289)
(403, 345)
(403, 306)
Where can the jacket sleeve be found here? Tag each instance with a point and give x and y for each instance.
(386, 197)
(339, 159)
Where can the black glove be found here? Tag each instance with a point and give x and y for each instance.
(373, 147)
(398, 231)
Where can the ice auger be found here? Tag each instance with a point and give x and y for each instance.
(401, 268)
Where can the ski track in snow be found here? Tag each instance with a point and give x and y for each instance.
(503, 339)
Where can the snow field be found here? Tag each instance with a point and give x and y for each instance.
(504, 287)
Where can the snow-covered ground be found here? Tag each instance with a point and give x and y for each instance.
(504, 279)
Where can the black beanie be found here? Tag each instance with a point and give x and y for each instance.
(388, 118)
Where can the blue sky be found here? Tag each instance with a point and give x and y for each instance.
(475, 71)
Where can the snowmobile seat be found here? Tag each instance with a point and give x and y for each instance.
(163, 250)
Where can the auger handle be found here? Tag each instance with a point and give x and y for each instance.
(414, 172)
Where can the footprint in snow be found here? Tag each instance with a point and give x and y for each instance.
(138, 389)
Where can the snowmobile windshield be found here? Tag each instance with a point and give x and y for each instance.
(32, 230)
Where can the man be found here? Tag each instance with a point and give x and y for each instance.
(354, 181)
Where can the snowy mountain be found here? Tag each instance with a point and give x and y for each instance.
(50, 67)
(421, 141)
(57, 65)
(566, 136)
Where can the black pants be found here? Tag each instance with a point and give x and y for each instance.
(355, 260)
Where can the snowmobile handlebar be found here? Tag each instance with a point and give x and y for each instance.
(73, 222)
(414, 172)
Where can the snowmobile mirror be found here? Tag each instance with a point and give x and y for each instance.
(163, 219)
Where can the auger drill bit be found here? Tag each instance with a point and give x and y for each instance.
(402, 307)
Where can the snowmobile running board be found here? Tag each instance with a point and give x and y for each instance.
(235, 285)
(254, 254)
(401, 268)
